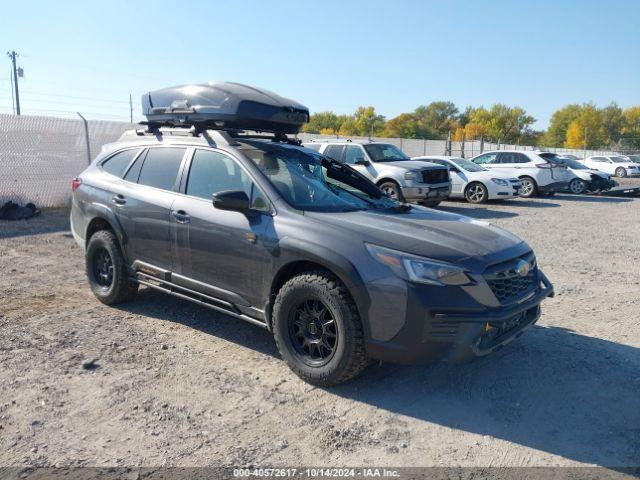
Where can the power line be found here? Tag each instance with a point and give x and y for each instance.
(31, 92)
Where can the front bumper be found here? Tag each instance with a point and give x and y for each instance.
(459, 334)
(426, 192)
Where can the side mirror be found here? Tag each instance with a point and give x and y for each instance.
(362, 161)
(235, 200)
(454, 169)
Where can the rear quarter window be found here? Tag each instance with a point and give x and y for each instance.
(160, 167)
(118, 163)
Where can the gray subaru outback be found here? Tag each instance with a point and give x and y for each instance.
(270, 232)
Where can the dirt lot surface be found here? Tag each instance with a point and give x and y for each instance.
(176, 384)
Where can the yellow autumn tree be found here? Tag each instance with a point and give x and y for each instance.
(327, 131)
(575, 135)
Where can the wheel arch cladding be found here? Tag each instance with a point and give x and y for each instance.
(387, 180)
(302, 257)
(102, 222)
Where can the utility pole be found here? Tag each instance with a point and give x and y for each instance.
(12, 55)
(130, 109)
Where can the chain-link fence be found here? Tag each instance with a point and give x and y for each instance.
(40, 155)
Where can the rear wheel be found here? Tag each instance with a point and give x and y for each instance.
(476, 192)
(106, 269)
(528, 187)
(317, 329)
(577, 186)
(621, 172)
(392, 189)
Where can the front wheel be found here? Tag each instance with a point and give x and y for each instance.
(392, 189)
(476, 193)
(528, 187)
(621, 172)
(317, 329)
(577, 186)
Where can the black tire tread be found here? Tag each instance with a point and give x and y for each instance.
(358, 359)
(124, 289)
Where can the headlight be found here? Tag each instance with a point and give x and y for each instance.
(413, 175)
(500, 181)
(419, 269)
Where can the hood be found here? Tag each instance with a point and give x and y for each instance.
(411, 164)
(586, 174)
(430, 233)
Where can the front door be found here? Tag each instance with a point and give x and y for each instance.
(223, 251)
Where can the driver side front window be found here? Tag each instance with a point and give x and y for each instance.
(213, 172)
(352, 154)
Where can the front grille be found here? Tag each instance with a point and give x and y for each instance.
(507, 284)
(435, 175)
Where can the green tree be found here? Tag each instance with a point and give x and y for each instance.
(402, 126)
(613, 122)
(321, 121)
(436, 119)
(631, 129)
(560, 120)
(590, 118)
(501, 122)
(367, 122)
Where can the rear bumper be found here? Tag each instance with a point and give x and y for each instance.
(458, 335)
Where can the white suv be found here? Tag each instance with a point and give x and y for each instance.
(394, 172)
(613, 165)
(537, 175)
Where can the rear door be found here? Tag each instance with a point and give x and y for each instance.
(144, 205)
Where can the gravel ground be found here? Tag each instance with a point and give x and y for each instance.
(160, 381)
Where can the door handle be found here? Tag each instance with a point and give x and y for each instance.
(181, 216)
(119, 199)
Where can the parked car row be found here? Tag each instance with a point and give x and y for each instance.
(493, 175)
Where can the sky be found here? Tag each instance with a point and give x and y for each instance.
(331, 55)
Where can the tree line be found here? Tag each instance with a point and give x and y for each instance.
(607, 127)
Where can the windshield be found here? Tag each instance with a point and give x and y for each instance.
(310, 181)
(574, 164)
(468, 165)
(384, 152)
(619, 160)
(635, 158)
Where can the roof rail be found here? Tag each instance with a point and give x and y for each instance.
(225, 136)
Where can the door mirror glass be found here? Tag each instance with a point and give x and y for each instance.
(234, 200)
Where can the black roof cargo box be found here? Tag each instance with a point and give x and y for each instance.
(225, 106)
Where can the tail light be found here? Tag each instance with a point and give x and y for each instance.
(75, 184)
(543, 165)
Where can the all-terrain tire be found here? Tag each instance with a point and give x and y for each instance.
(349, 356)
(114, 286)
